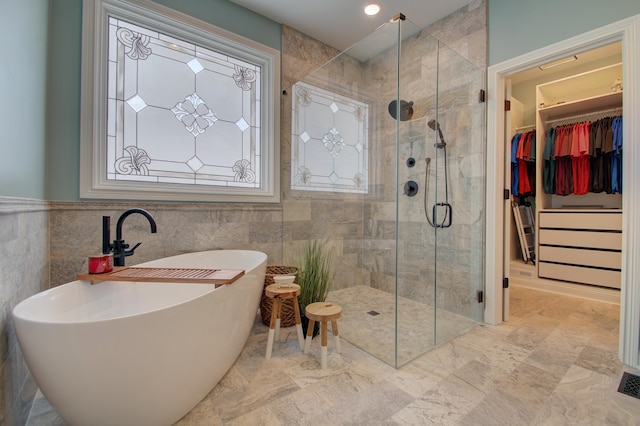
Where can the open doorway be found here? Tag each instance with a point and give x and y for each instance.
(498, 242)
(561, 104)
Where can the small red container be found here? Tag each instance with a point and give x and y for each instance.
(100, 264)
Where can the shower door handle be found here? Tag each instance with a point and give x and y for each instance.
(448, 211)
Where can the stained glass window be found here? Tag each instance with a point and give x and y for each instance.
(185, 116)
(329, 148)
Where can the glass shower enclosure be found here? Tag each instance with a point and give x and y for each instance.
(387, 161)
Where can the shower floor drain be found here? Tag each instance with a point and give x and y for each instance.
(373, 313)
(630, 385)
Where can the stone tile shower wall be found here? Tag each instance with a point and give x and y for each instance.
(334, 217)
(24, 271)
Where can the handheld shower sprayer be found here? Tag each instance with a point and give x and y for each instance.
(434, 125)
(440, 209)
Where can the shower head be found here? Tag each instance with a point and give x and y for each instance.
(406, 110)
(434, 125)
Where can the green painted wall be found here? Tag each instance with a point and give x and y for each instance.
(231, 17)
(23, 27)
(63, 100)
(520, 26)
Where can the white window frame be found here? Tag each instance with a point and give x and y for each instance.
(93, 177)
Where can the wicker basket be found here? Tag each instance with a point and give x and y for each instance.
(287, 315)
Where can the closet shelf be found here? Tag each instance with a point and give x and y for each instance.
(609, 100)
(592, 83)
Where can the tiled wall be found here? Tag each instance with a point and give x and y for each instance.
(24, 271)
(76, 231)
(334, 217)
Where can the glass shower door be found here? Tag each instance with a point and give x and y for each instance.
(416, 173)
(440, 196)
(459, 248)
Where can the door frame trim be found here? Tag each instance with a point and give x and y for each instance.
(628, 32)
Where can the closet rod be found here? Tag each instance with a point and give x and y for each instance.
(529, 127)
(581, 117)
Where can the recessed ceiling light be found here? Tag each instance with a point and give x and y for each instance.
(372, 9)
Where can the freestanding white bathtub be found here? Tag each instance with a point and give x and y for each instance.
(123, 353)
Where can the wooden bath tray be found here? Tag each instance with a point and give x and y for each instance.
(167, 275)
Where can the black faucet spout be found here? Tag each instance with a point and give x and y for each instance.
(126, 214)
(119, 248)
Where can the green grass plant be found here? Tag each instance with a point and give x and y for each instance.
(315, 273)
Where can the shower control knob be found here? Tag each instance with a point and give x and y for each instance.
(410, 188)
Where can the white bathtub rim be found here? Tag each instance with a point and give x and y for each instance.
(260, 256)
(20, 313)
(23, 312)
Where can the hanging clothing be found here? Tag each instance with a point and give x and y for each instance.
(616, 164)
(596, 169)
(549, 165)
(514, 163)
(530, 162)
(580, 160)
(607, 152)
(523, 154)
(583, 157)
(564, 171)
(524, 161)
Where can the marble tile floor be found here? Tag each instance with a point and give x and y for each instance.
(554, 363)
(376, 333)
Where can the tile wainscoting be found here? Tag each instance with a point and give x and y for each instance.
(24, 271)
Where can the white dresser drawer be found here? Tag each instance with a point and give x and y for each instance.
(590, 239)
(576, 256)
(610, 221)
(600, 277)
(582, 246)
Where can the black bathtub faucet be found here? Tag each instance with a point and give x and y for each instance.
(119, 248)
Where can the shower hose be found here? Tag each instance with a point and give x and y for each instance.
(432, 220)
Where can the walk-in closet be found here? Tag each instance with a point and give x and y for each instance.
(564, 154)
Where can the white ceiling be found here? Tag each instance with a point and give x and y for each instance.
(341, 23)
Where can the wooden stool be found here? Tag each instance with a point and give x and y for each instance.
(323, 312)
(279, 292)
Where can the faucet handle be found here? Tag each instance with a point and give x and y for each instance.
(129, 251)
